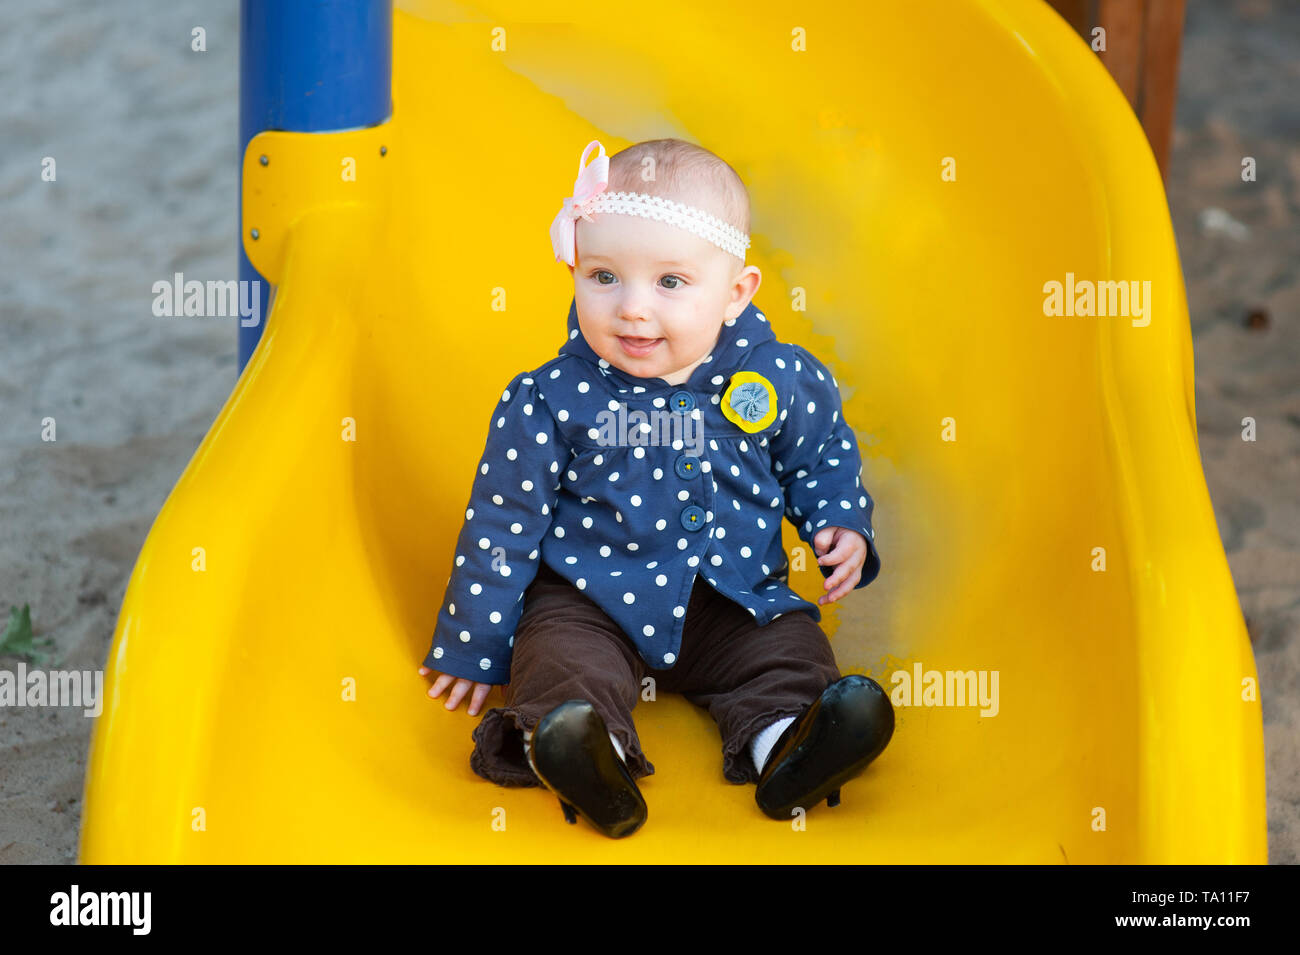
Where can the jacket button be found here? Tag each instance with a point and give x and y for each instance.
(682, 401)
(693, 518)
(688, 466)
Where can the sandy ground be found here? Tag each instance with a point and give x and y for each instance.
(145, 136)
(1239, 71)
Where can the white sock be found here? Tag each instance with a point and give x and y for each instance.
(528, 748)
(760, 747)
(618, 749)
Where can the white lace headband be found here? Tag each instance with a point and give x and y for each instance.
(589, 196)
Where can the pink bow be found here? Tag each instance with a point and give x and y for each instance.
(590, 183)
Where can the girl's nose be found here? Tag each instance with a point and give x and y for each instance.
(631, 311)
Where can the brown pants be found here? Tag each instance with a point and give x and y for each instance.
(566, 648)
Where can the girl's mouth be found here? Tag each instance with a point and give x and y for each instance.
(638, 347)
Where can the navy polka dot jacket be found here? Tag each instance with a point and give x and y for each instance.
(631, 487)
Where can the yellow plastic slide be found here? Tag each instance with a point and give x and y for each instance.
(921, 174)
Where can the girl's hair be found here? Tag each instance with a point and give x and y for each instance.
(683, 172)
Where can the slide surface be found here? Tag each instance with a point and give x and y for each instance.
(919, 173)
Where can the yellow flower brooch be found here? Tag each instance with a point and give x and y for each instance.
(749, 401)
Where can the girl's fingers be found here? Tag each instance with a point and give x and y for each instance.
(823, 543)
(842, 580)
(832, 595)
(457, 693)
(459, 687)
(444, 680)
(837, 577)
(845, 587)
(841, 551)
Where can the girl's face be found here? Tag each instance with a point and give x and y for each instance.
(652, 297)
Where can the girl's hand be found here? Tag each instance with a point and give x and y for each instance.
(459, 687)
(846, 550)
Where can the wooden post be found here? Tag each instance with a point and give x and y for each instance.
(1142, 40)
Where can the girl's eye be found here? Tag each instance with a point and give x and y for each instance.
(677, 281)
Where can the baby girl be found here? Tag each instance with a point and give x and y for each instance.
(624, 526)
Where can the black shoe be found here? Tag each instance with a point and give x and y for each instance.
(571, 753)
(835, 739)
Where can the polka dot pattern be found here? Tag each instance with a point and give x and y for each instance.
(583, 470)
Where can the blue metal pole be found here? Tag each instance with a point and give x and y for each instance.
(309, 66)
